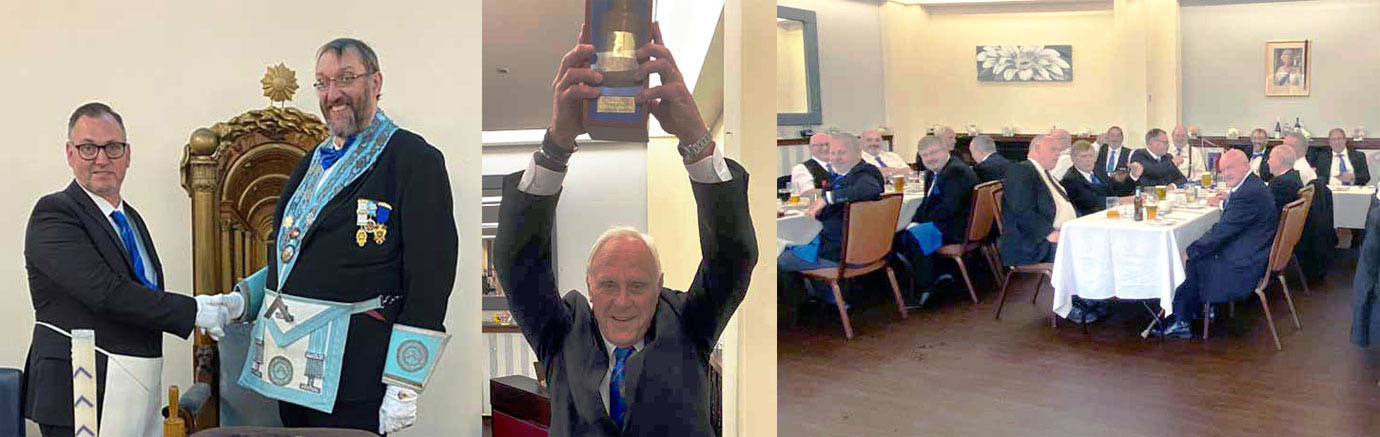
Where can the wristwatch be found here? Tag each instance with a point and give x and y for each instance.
(695, 149)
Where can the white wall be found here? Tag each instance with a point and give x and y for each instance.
(606, 185)
(171, 67)
(1224, 64)
(850, 63)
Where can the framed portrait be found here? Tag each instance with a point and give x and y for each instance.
(1288, 71)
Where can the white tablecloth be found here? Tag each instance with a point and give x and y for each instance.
(795, 228)
(1099, 258)
(1349, 205)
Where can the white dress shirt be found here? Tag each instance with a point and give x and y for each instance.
(1114, 155)
(1306, 172)
(107, 209)
(885, 159)
(1063, 210)
(541, 181)
(1336, 167)
(1064, 163)
(1195, 154)
(801, 179)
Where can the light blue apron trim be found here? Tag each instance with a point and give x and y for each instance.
(311, 197)
(412, 356)
(325, 332)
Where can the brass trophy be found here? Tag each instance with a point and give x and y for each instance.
(617, 29)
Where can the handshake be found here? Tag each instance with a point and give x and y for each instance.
(213, 312)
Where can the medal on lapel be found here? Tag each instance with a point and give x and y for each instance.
(362, 220)
(381, 214)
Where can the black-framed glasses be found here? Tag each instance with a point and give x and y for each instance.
(345, 80)
(113, 150)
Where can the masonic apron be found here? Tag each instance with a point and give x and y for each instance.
(132, 386)
(297, 343)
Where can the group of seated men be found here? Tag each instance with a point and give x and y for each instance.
(1061, 180)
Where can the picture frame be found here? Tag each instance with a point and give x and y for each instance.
(1288, 68)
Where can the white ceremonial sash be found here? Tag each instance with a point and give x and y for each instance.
(131, 386)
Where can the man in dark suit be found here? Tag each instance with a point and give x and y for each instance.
(1343, 166)
(1154, 165)
(860, 182)
(1034, 206)
(1259, 153)
(991, 166)
(1226, 263)
(92, 265)
(364, 227)
(1285, 184)
(1112, 162)
(946, 205)
(633, 357)
(1087, 190)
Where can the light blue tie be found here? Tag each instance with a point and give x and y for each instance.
(1341, 163)
(1111, 161)
(880, 163)
(617, 405)
(127, 236)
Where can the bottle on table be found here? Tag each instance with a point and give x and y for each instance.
(1139, 206)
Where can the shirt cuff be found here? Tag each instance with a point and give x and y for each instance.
(540, 181)
(829, 197)
(711, 169)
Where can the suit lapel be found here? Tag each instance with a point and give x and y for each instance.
(345, 196)
(138, 222)
(79, 195)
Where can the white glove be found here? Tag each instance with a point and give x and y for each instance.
(399, 409)
(234, 305)
(211, 316)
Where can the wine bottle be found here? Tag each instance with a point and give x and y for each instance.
(1279, 131)
(1140, 206)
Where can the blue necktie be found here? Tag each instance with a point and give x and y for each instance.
(1096, 181)
(880, 163)
(617, 405)
(127, 236)
(329, 155)
(1111, 161)
(1341, 164)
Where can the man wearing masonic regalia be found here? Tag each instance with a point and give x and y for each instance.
(348, 313)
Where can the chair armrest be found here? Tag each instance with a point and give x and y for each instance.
(190, 404)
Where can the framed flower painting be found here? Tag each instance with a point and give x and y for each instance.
(1033, 63)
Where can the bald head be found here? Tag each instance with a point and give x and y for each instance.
(819, 146)
(1045, 149)
(1282, 160)
(1235, 167)
(950, 138)
(1063, 137)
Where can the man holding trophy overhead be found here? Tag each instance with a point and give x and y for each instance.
(348, 313)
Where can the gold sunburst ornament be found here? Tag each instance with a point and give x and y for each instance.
(280, 83)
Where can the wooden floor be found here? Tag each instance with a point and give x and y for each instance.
(951, 370)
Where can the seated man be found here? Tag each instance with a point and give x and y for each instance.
(991, 166)
(1153, 165)
(1190, 160)
(1342, 166)
(1034, 206)
(1285, 184)
(1226, 263)
(814, 172)
(860, 182)
(946, 206)
(1299, 143)
(1065, 162)
(1087, 190)
(1259, 153)
(1112, 162)
(887, 161)
(947, 137)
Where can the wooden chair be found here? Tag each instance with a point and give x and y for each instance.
(1305, 193)
(1281, 250)
(868, 230)
(1046, 270)
(979, 225)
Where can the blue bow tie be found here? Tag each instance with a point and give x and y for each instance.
(329, 155)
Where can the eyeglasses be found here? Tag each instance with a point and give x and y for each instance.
(114, 150)
(342, 81)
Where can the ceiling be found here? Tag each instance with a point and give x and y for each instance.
(527, 38)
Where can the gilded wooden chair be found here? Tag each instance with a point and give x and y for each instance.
(868, 230)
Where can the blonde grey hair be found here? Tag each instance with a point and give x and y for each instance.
(623, 231)
(1303, 140)
(927, 142)
(983, 144)
(852, 141)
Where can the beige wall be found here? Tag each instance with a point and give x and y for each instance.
(172, 66)
(1122, 56)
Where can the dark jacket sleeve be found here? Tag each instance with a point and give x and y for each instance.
(950, 212)
(1358, 161)
(1240, 214)
(59, 246)
(429, 241)
(1284, 191)
(522, 256)
(864, 187)
(728, 250)
(1084, 198)
(1022, 192)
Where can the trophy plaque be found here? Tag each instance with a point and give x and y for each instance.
(617, 29)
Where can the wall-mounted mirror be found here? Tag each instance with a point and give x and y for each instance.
(797, 67)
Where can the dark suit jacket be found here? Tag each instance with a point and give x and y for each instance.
(1085, 196)
(1285, 188)
(1237, 247)
(80, 278)
(1123, 160)
(1356, 162)
(817, 172)
(668, 387)
(863, 182)
(1365, 301)
(949, 205)
(1158, 171)
(416, 260)
(1027, 216)
(992, 168)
